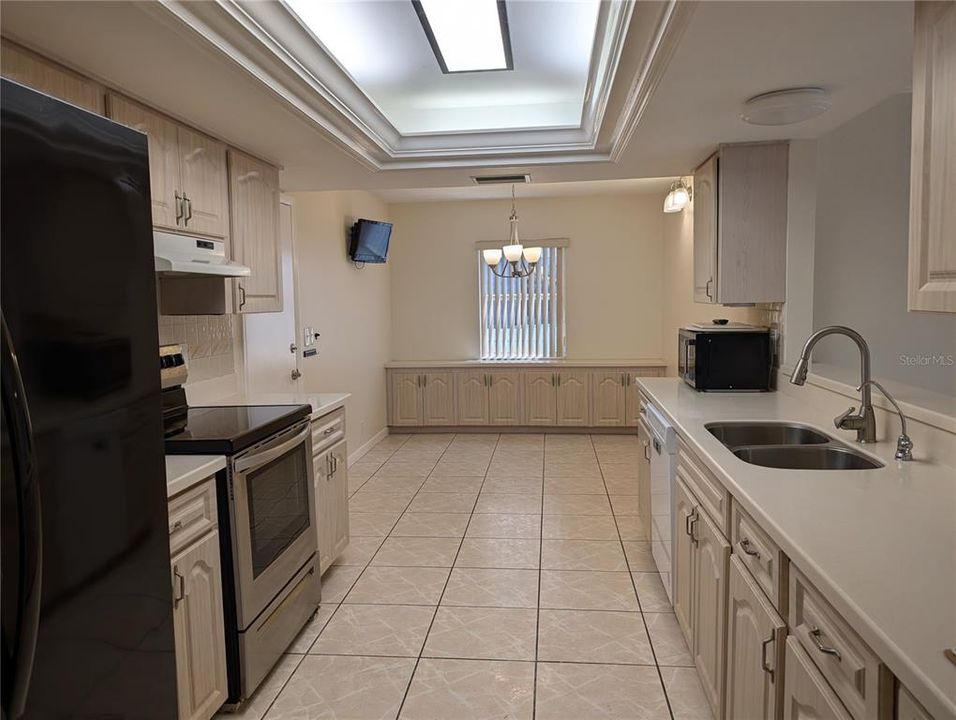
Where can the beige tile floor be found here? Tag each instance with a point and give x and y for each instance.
(491, 576)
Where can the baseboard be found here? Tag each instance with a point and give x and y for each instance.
(550, 430)
(373, 441)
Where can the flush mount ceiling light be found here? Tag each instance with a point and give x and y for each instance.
(679, 196)
(520, 261)
(467, 36)
(786, 107)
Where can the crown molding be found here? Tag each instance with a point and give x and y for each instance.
(267, 42)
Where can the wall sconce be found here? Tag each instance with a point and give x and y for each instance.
(679, 196)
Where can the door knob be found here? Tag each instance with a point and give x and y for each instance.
(296, 374)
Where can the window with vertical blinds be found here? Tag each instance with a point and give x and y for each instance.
(523, 318)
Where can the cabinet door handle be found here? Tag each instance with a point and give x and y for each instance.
(424, 381)
(180, 587)
(189, 209)
(693, 527)
(748, 549)
(647, 451)
(763, 656)
(557, 377)
(179, 207)
(815, 634)
(242, 296)
(707, 289)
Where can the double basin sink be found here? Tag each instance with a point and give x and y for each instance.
(788, 446)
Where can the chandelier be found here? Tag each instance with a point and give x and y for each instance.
(519, 261)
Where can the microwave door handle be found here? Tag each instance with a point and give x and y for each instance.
(257, 459)
(20, 431)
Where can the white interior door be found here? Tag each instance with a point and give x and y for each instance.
(270, 365)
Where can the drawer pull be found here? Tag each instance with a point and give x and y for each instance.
(763, 656)
(748, 549)
(178, 525)
(329, 431)
(815, 634)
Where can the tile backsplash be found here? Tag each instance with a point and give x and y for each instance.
(210, 342)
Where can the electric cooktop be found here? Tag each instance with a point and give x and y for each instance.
(227, 430)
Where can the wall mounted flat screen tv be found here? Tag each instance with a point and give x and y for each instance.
(369, 242)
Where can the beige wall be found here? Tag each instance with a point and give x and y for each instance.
(614, 283)
(349, 306)
(677, 306)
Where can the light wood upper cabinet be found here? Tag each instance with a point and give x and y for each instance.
(254, 205)
(199, 630)
(332, 502)
(164, 170)
(540, 399)
(472, 398)
(705, 230)
(27, 68)
(710, 583)
(438, 399)
(806, 695)
(932, 242)
(755, 643)
(609, 394)
(187, 171)
(504, 398)
(406, 399)
(573, 407)
(740, 225)
(204, 182)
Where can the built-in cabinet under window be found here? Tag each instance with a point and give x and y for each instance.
(525, 396)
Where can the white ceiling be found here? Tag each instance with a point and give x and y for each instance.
(383, 48)
(729, 51)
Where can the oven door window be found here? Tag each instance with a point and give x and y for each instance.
(278, 506)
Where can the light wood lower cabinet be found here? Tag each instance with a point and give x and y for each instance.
(504, 398)
(405, 399)
(472, 398)
(438, 399)
(806, 694)
(755, 642)
(332, 502)
(573, 405)
(609, 398)
(198, 626)
(27, 68)
(701, 556)
(532, 397)
(540, 398)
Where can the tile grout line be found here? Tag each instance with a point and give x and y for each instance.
(418, 660)
(537, 622)
(630, 573)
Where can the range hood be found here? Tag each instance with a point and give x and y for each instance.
(190, 255)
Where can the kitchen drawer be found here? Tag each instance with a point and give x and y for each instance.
(760, 555)
(849, 666)
(191, 514)
(327, 430)
(711, 495)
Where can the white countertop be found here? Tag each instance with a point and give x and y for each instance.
(645, 362)
(184, 471)
(879, 544)
(321, 403)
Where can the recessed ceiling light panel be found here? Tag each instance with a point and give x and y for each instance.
(467, 36)
(786, 107)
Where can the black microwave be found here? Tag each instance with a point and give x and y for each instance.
(727, 360)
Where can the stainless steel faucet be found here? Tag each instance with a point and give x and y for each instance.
(863, 422)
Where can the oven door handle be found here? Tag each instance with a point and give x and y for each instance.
(265, 456)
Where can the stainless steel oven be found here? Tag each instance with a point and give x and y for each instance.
(274, 559)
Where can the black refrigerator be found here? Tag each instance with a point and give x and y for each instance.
(85, 570)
